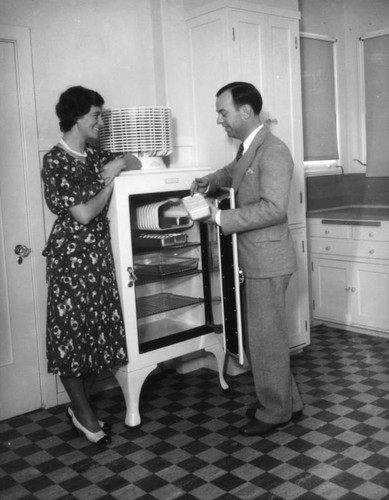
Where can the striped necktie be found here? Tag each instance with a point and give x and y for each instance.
(239, 153)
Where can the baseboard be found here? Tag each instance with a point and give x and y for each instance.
(355, 329)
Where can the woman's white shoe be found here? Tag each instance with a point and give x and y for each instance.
(105, 426)
(94, 437)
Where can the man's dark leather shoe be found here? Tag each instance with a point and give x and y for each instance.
(250, 413)
(258, 428)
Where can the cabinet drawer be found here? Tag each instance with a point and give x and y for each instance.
(350, 248)
(333, 247)
(373, 250)
(330, 231)
(370, 233)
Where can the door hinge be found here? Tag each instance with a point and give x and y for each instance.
(131, 276)
(303, 246)
(233, 34)
(313, 304)
(296, 42)
(306, 325)
(301, 196)
(312, 267)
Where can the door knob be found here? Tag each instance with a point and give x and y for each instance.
(22, 252)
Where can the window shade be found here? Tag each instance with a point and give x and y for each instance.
(376, 61)
(318, 97)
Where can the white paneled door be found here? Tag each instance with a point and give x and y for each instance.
(20, 389)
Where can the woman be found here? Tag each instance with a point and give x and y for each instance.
(85, 330)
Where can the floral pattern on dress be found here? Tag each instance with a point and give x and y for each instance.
(85, 330)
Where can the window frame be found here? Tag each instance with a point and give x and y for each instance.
(321, 167)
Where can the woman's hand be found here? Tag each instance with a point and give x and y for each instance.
(132, 162)
(113, 168)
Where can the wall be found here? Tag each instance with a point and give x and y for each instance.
(346, 20)
(134, 53)
(131, 51)
(104, 45)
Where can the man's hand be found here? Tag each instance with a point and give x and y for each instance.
(211, 219)
(199, 185)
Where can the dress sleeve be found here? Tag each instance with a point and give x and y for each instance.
(107, 156)
(63, 184)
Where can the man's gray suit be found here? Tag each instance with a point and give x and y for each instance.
(261, 180)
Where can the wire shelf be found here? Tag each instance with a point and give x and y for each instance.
(163, 302)
(162, 265)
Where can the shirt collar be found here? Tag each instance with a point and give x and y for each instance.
(247, 142)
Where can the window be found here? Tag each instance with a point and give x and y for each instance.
(319, 100)
(375, 126)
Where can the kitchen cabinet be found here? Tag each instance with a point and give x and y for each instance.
(178, 278)
(241, 41)
(350, 272)
(231, 41)
(297, 295)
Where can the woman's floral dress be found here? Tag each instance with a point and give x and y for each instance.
(85, 330)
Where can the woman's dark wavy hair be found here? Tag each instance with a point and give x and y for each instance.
(74, 103)
(243, 93)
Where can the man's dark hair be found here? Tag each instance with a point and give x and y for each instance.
(243, 93)
(74, 103)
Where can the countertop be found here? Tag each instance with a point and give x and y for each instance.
(352, 212)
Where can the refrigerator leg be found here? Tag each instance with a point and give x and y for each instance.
(131, 384)
(217, 351)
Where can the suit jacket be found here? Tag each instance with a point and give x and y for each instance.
(261, 181)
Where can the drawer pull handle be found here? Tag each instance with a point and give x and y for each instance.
(326, 231)
(353, 289)
(371, 235)
(371, 252)
(347, 288)
(328, 248)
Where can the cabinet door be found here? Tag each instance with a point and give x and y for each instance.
(228, 45)
(249, 49)
(209, 63)
(284, 92)
(266, 53)
(330, 290)
(297, 296)
(369, 287)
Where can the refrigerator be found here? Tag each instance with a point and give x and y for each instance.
(178, 278)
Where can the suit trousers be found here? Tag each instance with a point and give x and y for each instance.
(267, 345)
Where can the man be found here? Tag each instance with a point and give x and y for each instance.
(261, 177)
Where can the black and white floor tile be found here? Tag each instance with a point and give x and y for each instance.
(188, 446)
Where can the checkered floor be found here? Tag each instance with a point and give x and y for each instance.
(188, 446)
